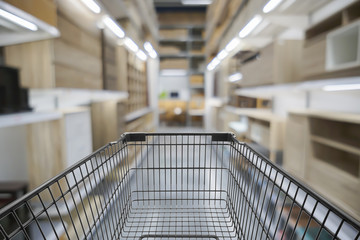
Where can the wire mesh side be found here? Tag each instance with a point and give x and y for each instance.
(179, 188)
(174, 186)
(270, 204)
(76, 203)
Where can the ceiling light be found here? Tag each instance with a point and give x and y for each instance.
(232, 44)
(235, 77)
(149, 48)
(17, 20)
(286, 5)
(222, 54)
(114, 27)
(140, 54)
(271, 5)
(92, 5)
(131, 45)
(196, 2)
(213, 64)
(342, 87)
(250, 26)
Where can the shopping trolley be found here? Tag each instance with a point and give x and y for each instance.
(174, 186)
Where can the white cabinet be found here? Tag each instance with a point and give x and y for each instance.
(78, 138)
(343, 47)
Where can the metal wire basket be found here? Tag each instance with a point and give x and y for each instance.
(174, 186)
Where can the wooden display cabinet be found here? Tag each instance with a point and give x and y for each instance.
(279, 63)
(322, 148)
(330, 47)
(71, 61)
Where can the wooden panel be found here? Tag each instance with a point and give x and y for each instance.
(75, 36)
(313, 62)
(169, 50)
(173, 33)
(178, 18)
(109, 65)
(197, 79)
(174, 64)
(295, 149)
(107, 122)
(322, 148)
(45, 10)
(45, 147)
(73, 57)
(338, 187)
(252, 75)
(287, 61)
(77, 57)
(34, 61)
(121, 68)
(70, 78)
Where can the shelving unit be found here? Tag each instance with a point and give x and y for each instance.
(323, 147)
(137, 84)
(279, 63)
(263, 128)
(330, 46)
(182, 47)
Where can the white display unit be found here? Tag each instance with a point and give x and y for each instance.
(343, 47)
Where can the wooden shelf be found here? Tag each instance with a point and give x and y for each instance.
(17, 119)
(279, 63)
(264, 128)
(336, 144)
(329, 49)
(181, 26)
(196, 112)
(322, 148)
(137, 114)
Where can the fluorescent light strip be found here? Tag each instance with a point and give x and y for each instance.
(141, 55)
(114, 27)
(92, 5)
(222, 54)
(286, 5)
(232, 44)
(19, 21)
(213, 64)
(235, 77)
(250, 26)
(149, 48)
(196, 2)
(130, 44)
(271, 5)
(342, 87)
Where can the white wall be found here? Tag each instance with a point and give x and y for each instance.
(342, 101)
(286, 101)
(175, 84)
(13, 163)
(153, 79)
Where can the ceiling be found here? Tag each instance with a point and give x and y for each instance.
(177, 5)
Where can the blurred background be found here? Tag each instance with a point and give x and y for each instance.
(282, 75)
